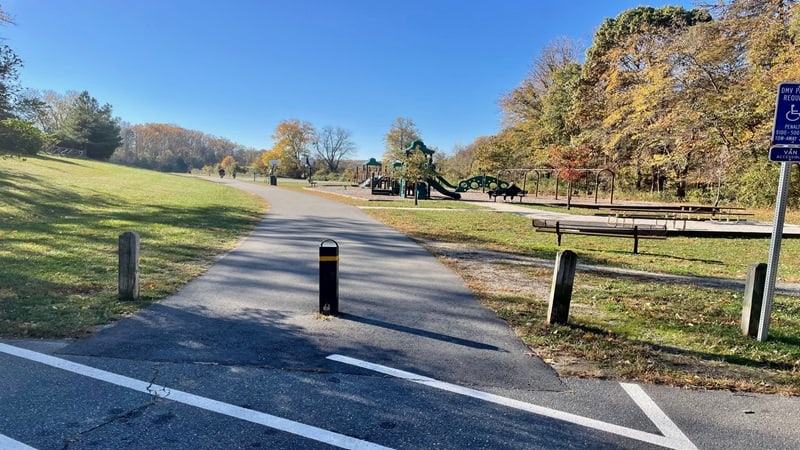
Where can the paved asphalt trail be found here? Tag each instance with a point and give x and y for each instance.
(256, 306)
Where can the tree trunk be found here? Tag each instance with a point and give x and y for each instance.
(681, 189)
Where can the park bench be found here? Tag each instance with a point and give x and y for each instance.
(312, 182)
(494, 193)
(636, 232)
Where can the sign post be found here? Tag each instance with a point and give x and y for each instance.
(786, 150)
(774, 250)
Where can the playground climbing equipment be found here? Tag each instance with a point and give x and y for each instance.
(433, 179)
(481, 182)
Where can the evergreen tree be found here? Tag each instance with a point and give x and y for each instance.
(9, 66)
(90, 127)
(9, 63)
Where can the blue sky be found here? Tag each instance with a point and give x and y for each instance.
(236, 69)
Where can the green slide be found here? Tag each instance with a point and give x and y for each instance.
(435, 184)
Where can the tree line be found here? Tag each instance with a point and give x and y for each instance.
(676, 102)
(31, 121)
(302, 150)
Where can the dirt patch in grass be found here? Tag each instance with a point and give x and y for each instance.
(490, 274)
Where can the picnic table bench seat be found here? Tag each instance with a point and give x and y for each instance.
(635, 232)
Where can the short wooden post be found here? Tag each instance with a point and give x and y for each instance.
(753, 298)
(561, 290)
(558, 233)
(569, 194)
(129, 266)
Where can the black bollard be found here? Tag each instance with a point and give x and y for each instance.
(329, 278)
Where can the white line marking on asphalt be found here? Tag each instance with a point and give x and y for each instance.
(289, 426)
(653, 412)
(676, 441)
(6, 443)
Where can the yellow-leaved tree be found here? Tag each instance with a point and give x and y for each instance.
(293, 139)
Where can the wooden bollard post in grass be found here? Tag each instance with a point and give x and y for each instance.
(129, 266)
(561, 291)
(753, 298)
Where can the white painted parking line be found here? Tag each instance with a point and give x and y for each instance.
(675, 439)
(653, 412)
(289, 426)
(6, 443)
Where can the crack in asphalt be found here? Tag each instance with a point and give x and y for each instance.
(157, 395)
(164, 391)
(131, 414)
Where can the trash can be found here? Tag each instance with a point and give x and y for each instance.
(422, 190)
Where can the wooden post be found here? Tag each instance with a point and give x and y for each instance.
(558, 234)
(753, 298)
(561, 290)
(129, 266)
(569, 194)
(556, 186)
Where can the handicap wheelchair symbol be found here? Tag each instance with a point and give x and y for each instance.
(793, 115)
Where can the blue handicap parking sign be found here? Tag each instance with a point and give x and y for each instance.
(787, 115)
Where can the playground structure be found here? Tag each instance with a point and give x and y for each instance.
(384, 181)
(432, 178)
(481, 182)
(378, 178)
(371, 168)
(520, 176)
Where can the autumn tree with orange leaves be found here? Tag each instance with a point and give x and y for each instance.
(677, 102)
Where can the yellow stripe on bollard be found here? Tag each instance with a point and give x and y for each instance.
(328, 258)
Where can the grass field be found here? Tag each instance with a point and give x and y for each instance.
(60, 221)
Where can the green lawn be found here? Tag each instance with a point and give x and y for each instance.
(703, 257)
(60, 221)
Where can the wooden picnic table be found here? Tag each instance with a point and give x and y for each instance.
(702, 212)
(654, 214)
(677, 212)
